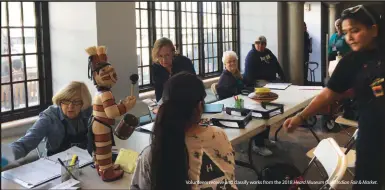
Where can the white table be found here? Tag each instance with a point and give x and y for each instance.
(89, 178)
(293, 98)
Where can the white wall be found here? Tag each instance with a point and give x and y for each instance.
(77, 25)
(258, 18)
(313, 22)
(72, 29)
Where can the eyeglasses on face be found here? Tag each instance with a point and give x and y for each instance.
(163, 57)
(74, 102)
(355, 9)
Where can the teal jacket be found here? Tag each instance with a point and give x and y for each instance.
(339, 43)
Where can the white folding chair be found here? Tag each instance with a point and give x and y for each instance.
(332, 159)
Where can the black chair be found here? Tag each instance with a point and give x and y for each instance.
(311, 70)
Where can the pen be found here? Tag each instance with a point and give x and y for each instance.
(61, 163)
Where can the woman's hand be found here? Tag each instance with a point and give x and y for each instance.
(292, 123)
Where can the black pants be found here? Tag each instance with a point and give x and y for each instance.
(259, 140)
(306, 69)
(370, 148)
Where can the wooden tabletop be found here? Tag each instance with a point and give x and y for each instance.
(293, 98)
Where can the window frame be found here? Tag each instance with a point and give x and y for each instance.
(179, 41)
(43, 54)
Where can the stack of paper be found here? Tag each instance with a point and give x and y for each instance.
(45, 169)
(277, 86)
(33, 174)
(84, 157)
(147, 127)
(127, 160)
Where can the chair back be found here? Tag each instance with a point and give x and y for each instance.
(333, 159)
(214, 90)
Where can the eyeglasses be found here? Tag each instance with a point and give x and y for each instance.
(163, 57)
(355, 9)
(74, 102)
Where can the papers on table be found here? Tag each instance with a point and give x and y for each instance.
(311, 87)
(33, 174)
(258, 107)
(277, 86)
(147, 127)
(84, 157)
(45, 169)
(235, 116)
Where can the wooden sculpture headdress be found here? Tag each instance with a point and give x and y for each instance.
(105, 110)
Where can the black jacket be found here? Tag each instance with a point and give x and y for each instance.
(228, 85)
(161, 75)
(261, 66)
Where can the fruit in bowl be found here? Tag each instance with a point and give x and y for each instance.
(263, 95)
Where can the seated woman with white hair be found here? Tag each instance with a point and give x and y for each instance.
(63, 124)
(230, 82)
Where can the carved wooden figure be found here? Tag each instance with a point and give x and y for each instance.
(105, 110)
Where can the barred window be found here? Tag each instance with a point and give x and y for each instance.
(26, 87)
(201, 31)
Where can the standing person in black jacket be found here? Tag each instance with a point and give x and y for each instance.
(363, 70)
(230, 82)
(167, 63)
(307, 49)
(261, 64)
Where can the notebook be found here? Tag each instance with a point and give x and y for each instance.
(45, 169)
(127, 160)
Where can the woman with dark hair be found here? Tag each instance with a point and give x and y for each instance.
(363, 70)
(182, 151)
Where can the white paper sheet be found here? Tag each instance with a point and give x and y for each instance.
(34, 173)
(84, 157)
(311, 87)
(147, 127)
(277, 86)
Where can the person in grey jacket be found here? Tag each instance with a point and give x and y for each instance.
(63, 124)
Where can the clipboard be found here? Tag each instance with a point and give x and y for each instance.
(260, 114)
(236, 122)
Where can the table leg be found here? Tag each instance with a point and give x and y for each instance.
(276, 133)
(248, 164)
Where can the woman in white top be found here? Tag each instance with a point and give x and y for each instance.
(183, 154)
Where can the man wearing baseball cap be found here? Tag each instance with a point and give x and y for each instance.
(261, 64)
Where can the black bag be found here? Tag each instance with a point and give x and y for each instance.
(281, 176)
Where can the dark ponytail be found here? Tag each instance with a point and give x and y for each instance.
(169, 159)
